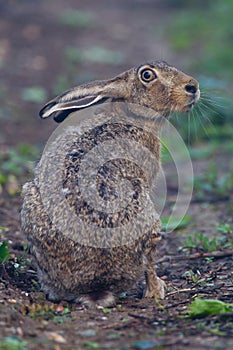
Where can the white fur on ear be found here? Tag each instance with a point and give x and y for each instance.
(53, 106)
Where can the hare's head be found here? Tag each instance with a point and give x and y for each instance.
(158, 86)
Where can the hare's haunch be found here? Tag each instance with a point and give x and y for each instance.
(88, 215)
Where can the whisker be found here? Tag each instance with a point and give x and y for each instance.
(189, 130)
(208, 109)
(203, 125)
(217, 101)
(212, 103)
(203, 113)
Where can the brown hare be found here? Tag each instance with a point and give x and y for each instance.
(70, 268)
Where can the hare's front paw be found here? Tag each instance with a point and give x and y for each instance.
(155, 287)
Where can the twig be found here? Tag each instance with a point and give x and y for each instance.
(194, 256)
(177, 304)
(139, 317)
(181, 291)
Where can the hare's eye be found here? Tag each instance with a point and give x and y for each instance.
(148, 75)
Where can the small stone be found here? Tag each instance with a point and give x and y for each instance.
(56, 337)
(12, 301)
(19, 331)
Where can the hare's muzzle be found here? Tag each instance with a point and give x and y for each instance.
(192, 90)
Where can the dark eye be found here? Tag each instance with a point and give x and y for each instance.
(148, 75)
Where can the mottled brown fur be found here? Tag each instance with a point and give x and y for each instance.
(69, 270)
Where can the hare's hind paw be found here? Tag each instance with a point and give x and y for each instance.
(155, 287)
(95, 299)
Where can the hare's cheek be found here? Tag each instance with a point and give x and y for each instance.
(158, 96)
(180, 101)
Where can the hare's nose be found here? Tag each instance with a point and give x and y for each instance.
(190, 88)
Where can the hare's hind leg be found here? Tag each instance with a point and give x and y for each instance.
(155, 287)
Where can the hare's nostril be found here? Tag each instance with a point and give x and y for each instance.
(191, 89)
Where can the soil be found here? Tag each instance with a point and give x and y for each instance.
(32, 43)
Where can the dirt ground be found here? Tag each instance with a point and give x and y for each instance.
(32, 42)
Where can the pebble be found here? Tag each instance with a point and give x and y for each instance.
(19, 331)
(12, 301)
(56, 337)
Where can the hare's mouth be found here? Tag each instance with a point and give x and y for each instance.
(190, 105)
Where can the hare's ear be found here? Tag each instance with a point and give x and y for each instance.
(63, 105)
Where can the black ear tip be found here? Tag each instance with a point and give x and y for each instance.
(61, 115)
(41, 113)
(45, 108)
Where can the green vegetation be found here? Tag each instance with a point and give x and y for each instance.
(16, 164)
(194, 277)
(170, 223)
(207, 31)
(200, 307)
(198, 241)
(12, 343)
(106, 311)
(4, 252)
(225, 229)
(213, 185)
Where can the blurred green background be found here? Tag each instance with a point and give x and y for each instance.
(49, 46)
